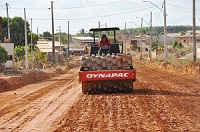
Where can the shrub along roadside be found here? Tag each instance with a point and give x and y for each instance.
(3, 57)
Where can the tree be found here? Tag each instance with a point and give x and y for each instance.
(157, 45)
(17, 31)
(0, 28)
(182, 33)
(158, 30)
(3, 55)
(40, 58)
(47, 35)
(64, 37)
(177, 49)
(34, 38)
(4, 28)
(82, 32)
(176, 45)
(19, 52)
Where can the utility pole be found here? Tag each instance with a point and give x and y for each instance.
(68, 42)
(8, 24)
(141, 35)
(0, 27)
(53, 41)
(31, 38)
(165, 29)
(99, 23)
(150, 50)
(60, 39)
(194, 33)
(37, 32)
(106, 27)
(31, 44)
(125, 37)
(26, 45)
(165, 34)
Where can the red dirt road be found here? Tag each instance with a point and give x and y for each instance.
(35, 107)
(161, 101)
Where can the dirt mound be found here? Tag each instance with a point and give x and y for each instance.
(17, 80)
(29, 77)
(187, 69)
(191, 68)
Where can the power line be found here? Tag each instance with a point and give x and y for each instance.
(180, 7)
(2, 8)
(183, 8)
(26, 3)
(146, 22)
(30, 8)
(177, 22)
(94, 5)
(127, 12)
(158, 17)
(172, 2)
(75, 7)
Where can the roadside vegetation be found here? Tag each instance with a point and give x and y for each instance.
(158, 30)
(3, 57)
(39, 59)
(36, 59)
(176, 54)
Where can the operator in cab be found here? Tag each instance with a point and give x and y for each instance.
(104, 45)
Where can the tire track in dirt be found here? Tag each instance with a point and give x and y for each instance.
(162, 101)
(173, 90)
(48, 114)
(18, 94)
(111, 113)
(41, 106)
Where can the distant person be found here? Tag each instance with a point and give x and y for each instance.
(104, 45)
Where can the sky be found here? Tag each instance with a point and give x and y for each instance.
(87, 13)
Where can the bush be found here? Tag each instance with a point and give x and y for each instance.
(178, 53)
(19, 52)
(40, 59)
(177, 45)
(3, 55)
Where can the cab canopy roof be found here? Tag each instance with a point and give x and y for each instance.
(104, 29)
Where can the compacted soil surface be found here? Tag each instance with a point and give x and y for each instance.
(163, 100)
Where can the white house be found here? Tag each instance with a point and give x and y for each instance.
(9, 47)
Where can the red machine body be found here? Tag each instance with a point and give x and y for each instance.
(107, 75)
